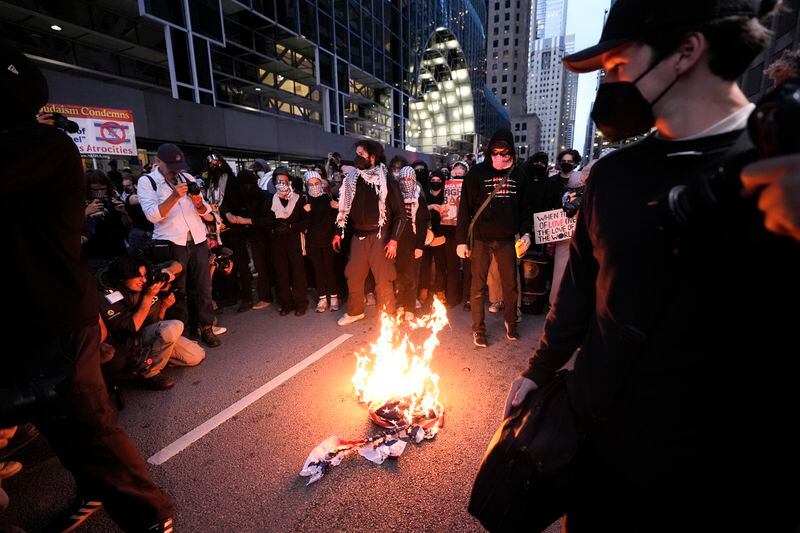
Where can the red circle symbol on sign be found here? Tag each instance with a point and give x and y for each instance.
(113, 133)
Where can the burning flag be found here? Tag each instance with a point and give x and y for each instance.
(394, 378)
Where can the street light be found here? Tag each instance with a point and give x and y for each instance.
(55, 27)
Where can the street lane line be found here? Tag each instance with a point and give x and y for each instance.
(208, 426)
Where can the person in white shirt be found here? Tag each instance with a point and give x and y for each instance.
(168, 199)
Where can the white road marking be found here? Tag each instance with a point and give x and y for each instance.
(208, 426)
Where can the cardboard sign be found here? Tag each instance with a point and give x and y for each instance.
(103, 131)
(552, 226)
(452, 198)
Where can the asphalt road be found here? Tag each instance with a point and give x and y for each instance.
(243, 475)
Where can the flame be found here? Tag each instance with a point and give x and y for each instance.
(397, 370)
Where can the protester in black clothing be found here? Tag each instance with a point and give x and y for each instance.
(435, 252)
(545, 189)
(411, 243)
(685, 369)
(371, 205)
(321, 228)
(52, 291)
(107, 222)
(397, 163)
(495, 229)
(459, 271)
(141, 234)
(245, 200)
(423, 173)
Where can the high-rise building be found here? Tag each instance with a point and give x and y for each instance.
(507, 70)
(552, 91)
(288, 80)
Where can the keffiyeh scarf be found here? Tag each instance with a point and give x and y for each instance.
(376, 177)
(278, 208)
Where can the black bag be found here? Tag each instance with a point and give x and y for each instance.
(535, 270)
(523, 481)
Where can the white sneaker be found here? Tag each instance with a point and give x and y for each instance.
(218, 330)
(261, 305)
(418, 305)
(322, 305)
(347, 319)
(371, 299)
(496, 307)
(334, 303)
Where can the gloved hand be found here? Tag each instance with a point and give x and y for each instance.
(522, 245)
(462, 250)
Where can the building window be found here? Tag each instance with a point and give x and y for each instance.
(516, 127)
(496, 30)
(505, 78)
(504, 90)
(507, 16)
(503, 101)
(524, 126)
(505, 42)
(494, 79)
(508, 4)
(497, 6)
(497, 18)
(516, 43)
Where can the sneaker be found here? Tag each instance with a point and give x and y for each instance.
(409, 316)
(322, 305)
(496, 307)
(479, 339)
(208, 337)
(245, 305)
(371, 299)
(219, 330)
(76, 513)
(262, 304)
(334, 303)
(512, 333)
(157, 382)
(9, 468)
(418, 305)
(347, 319)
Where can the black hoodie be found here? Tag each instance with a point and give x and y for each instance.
(510, 211)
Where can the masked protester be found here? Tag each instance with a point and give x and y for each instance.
(397, 163)
(371, 205)
(321, 229)
(244, 202)
(495, 201)
(264, 173)
(459, 272)
(566, 193)
(668, 367)
(52, 289)
(434, 252)
(423, 173)
(411, 244)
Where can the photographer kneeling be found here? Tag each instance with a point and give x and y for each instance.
(134, 299)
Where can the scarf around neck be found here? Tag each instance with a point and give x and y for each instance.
(414, 201)
(375, 177)
(278, 208)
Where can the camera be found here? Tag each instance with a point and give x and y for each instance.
(222, 257)
(24, 402)
(194, 188)
(571, 202)
(63, 123)
(155, 275)
(774, 130)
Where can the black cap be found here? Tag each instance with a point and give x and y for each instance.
(633, 20)
(172, 157)
(281, 171)
(23, 87)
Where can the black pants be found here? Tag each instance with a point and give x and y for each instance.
(324, 274)
(367, 255)
(84, 432)
(238, 240)
(481, 258)
(407, 270)
(259, 246)
(290, 271)
(459, 277)
(436, 280)
(195, 261)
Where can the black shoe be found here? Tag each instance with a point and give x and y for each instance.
(77, 512)
(467, 306)
(244, 306)
(300, 312)
(285, 311)
(208, 337)
(158, 382)
(479, 339)
(161, 527)
(512, 332)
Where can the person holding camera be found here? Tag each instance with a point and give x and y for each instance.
(172, 201)
(134, 298)
(107, 222)
(53, 293)
(686, 376)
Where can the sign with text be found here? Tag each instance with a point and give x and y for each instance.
(452, 197)
(552, 226)
(103, 131)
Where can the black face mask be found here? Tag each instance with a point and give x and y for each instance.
(566, 167)
(436, 186)
(621, 111)
(538, 171)
(361, 163)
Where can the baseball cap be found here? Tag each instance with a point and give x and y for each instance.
(281, 171)
(172, 157)
(633, 20)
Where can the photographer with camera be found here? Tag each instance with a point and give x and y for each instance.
(52, 294)
(134, 297)
(685, 377)
(107, 222)
(172, 201)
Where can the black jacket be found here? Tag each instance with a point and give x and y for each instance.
(436, 218)
(510, 211)
(322, 222)
(364, 213)
(421, 222)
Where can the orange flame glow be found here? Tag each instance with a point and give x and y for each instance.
(397, 370)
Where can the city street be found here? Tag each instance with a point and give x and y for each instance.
(243, 475)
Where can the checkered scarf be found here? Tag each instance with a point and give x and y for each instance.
(376, 177)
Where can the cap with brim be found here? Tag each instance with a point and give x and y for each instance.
(281, 171)
(172, 157)
(634, 20)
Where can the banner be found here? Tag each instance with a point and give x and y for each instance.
(103, 131)
(552, 226)
(452, 198)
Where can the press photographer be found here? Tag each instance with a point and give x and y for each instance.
(134, 297)
(53, 295)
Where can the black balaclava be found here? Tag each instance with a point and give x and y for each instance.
(423, 175)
